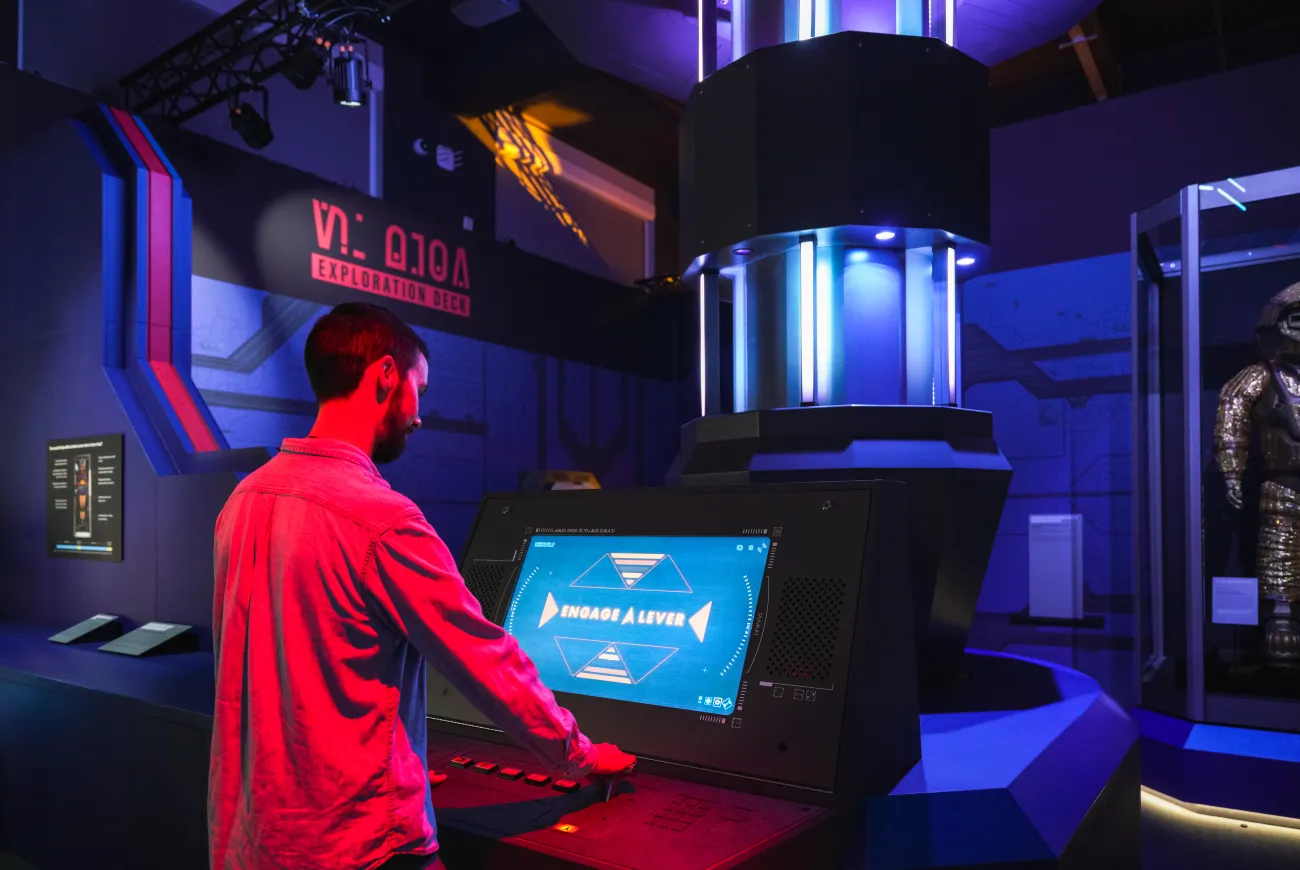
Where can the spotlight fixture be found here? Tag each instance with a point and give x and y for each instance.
(349, 73)
(966, 261)
(305, 64)
(884, 235)
(253, 128)
(742, 252)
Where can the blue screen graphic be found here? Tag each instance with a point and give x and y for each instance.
(650, 620)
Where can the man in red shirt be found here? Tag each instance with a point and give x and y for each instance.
(332, 591)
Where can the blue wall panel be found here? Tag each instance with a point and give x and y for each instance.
(491, 413)
(1046, 350)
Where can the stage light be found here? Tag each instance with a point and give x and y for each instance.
(805, 19)
(349, 73)
(966, 261)
(305, 64)
(253, 128)
(742, 252)
(884, 235)
(858, 256)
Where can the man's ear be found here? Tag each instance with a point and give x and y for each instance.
(387, 377)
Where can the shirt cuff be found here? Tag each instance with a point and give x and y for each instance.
(582, 759)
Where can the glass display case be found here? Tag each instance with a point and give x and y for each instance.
(1216, 452)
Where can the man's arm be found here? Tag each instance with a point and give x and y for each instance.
(413, 578)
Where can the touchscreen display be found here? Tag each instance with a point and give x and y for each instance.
(651, 620)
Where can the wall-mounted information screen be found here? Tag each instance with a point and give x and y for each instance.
(651, 620)
(83, 515)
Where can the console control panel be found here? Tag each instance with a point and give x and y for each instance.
(642, 822)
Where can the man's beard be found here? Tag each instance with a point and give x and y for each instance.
(392, 437)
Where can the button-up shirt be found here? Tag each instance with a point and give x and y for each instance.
(332, 591)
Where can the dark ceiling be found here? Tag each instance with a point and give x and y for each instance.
(542, 55)
(1137, 45)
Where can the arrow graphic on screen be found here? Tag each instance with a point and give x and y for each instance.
(700, 621)
(549, 609)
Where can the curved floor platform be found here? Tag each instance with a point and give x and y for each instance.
(1024, 764)
(1222, 767)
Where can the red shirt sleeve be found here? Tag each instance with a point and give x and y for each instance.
(414, 580)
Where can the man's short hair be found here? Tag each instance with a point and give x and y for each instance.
(348, 339)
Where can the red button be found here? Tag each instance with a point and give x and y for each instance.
(510, 773)
(485, 767)
(461, 761)
(537, 779)
(565, 785)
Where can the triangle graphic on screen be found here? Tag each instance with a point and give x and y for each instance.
(644, 572)
(604, 574)
(549, 609)
(579, 652)
(641, 659)
(608, 662)
(663, 577)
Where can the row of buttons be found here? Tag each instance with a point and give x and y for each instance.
(487, 768)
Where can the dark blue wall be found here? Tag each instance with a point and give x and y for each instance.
(1047, 351)
(54, 386)
(492, 413)
(1063, 186)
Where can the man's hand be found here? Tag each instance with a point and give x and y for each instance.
(610, 760)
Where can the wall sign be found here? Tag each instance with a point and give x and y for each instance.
(83, 516)
(265, 226)
(388, 260)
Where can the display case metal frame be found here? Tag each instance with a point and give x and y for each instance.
(1153, 650)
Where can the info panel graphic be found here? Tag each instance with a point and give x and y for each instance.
(84, 497)
(650, 620)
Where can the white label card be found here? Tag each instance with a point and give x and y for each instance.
(1236, 601)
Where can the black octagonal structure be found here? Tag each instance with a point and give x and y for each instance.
(848, 129)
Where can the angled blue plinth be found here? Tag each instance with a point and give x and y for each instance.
(1221, 766)
(1011, 768)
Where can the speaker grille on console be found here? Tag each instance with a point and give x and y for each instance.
(485, 580)
(807, 619)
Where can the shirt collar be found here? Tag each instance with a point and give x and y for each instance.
(331, 449)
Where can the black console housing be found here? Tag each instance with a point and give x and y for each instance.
(832, 622)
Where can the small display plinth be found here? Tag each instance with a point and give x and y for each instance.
(100, 627)
(154, 638)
